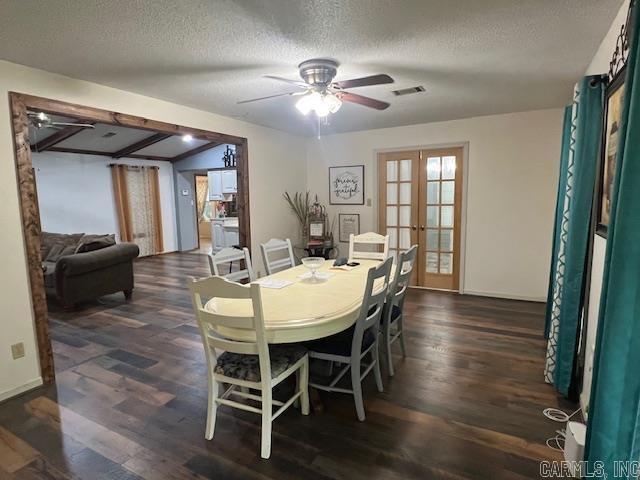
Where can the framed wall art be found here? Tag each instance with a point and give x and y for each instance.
(346, 185)
(614, 98)
(348, 223)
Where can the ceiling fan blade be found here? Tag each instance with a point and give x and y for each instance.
(365, 101)
(271, 96)
(65, 124)
(364, 81)
(298, 83)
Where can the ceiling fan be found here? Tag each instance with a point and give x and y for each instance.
(321, 94)
(42, 120)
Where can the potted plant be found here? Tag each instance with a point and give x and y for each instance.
(300, 204)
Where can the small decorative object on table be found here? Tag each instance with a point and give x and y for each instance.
(313, 264)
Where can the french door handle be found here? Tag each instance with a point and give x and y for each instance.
(414, 227)
(422, 227)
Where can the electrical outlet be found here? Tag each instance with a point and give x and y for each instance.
(17, 350)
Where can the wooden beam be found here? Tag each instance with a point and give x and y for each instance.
(56, 138)
(98, 115)
(81, 151)
(145, 142)
(201, 148)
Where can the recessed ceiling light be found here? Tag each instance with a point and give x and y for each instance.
(187, 138)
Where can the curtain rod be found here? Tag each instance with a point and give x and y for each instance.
(111, 165)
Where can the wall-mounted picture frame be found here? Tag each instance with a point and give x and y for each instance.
(614, 98)
(346, 185)
(348, 223)
(316, 230)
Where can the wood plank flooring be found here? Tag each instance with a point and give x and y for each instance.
(130, 398)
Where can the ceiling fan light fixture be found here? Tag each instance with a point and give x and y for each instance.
(332, 102)
(307, 103)
(321, 104)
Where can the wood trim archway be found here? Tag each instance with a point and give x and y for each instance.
(19, 105)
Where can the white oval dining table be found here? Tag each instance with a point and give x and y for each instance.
(302, 311)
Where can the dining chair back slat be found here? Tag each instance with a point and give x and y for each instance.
(277, 246)
(226, 257)
(369, 238)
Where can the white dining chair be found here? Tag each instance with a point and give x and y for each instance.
(372, 239)
(226, 257)
(276, 247)
(392, 327)
(246, 366)
(351, 346)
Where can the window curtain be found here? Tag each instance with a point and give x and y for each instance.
(614, 425)
(557, 228)
(570, 252)
(137, 197)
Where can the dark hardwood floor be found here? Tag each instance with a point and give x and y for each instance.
(130, 398)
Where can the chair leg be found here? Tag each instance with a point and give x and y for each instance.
(387, 344)
(375, 357)
(357, 388)
(401, 332)
(267, 409)
(212, 409)
(304, 386)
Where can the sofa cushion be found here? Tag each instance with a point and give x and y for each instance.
(59, 250)
(89, 243)
(247, 367)
(48, 240)
(49, 274)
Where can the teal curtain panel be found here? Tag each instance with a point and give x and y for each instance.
(562, 185)
(614, 424)
(567, 297)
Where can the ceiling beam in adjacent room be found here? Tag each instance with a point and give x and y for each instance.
(200, 149)
(145, 142)
(59, 136)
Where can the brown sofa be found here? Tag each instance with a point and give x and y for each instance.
(79, 267)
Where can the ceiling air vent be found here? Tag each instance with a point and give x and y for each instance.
(109, 135)
(408, 91)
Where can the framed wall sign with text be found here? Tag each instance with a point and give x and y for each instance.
(348, 223)
(346, 185)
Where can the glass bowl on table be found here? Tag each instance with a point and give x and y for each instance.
(313, 264)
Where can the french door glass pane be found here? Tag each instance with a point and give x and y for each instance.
(393, 237)
(405, 216)
(432, 239)
(432, 262)
(405, 238)
(433, 168)
(446, 240)
(392, 171)
(432, 216)
(448, 192)
(405, 170)
(446, 263)
(433, 193)
(392, 216)
(405, 193)
(448, 168)
(447, 216)
(392, 193)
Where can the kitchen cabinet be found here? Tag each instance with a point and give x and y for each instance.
(224, 233)
(229, 181)
(215, 186)
(222, 183)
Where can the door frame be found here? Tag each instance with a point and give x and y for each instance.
(465, 145)
(28, 197)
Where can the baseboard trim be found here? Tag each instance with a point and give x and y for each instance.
(505, 296)
(36, 382)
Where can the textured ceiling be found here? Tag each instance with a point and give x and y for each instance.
(474, 57)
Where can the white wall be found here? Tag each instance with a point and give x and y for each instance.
(75, 194)
(276, 163)
(599, 64)
(512, 181)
